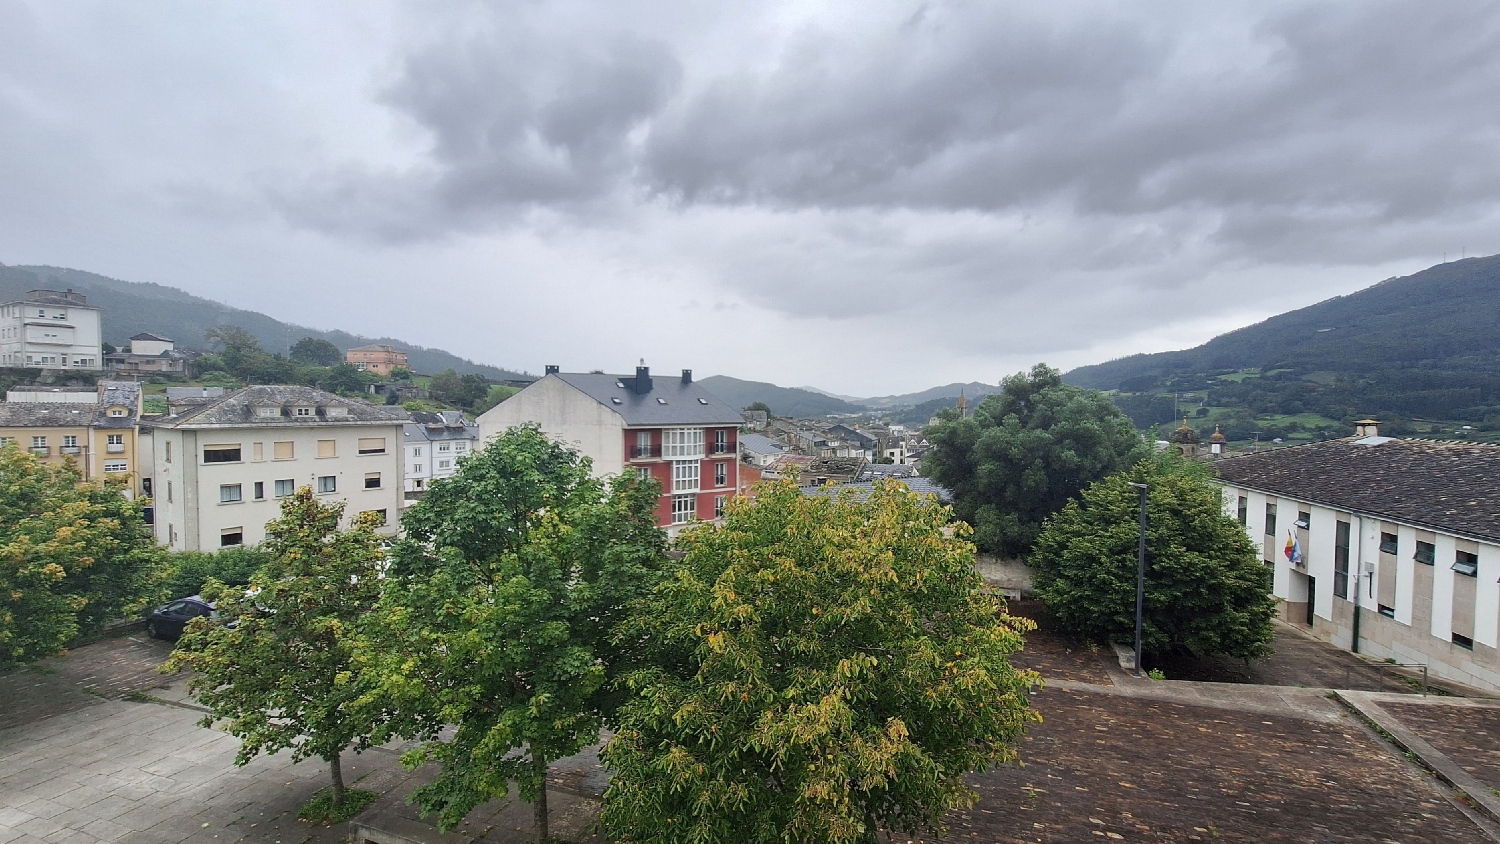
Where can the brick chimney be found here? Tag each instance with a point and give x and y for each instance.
(687, 376)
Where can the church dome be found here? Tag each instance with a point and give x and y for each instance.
(1185, 434)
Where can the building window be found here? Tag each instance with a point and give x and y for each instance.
(372, 480)
(642, 473)
(682, 442)
(169, 492)
(260, 490)
(1270, 519)
(1388, 612)
(719, 502)
(70, 441)
(1466, 563)
(1244, 509)
(721, 441)
(416, 467)
(267, 412)
(642, 444)
(372, 445)
(229, 494)
(459, 448)
(1388, 543)
(115, 411)
(38, 442)
(328, 483)
(445, 464)
(169, 451)
(684, 508)
(443, 446)
(416, 452)
(1426, 553)
(685, 475)
(1304, 519)
(721, 474)
(1463, 641)
(328, 448)
(116, 466)
(1341, 559)
(303, 411)
(114, 439)
(283, 451)
(229, 537)
(285, 487)
(221, 453)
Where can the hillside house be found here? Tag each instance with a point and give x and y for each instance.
(95, 429)
(378, 358)
(51, 329)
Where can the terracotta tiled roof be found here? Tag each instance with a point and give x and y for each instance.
(1446, 486)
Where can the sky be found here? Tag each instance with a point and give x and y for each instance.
(869, 197)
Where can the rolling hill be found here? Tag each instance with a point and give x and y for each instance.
(133, 307)
(1422, 346)
(783, 401)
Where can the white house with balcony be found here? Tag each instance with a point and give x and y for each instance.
(220, 466)
(51, 329)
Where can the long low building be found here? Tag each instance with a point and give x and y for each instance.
(1390, 547)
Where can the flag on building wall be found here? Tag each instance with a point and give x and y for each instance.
(1293, 549)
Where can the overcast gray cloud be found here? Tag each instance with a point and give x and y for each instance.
(871, 196)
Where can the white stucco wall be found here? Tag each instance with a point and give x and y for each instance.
(568, 416)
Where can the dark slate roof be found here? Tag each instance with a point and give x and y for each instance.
(238, 409)
(444, 425)
(36, 414)
(886, 470)
(863, 489)
(118, 393)
(760, 444)
(1445, 486)
(670, 402)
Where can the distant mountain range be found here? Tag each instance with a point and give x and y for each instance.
(1425, 345)
(134, 307)
(811, 401)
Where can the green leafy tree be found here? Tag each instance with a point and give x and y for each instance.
(73, 555)
(497, 621)
(188, 572)
(1206, 589)
(246, 360)
(458, 390)
(400, 373)
(316, 351)
(497, 394)
(346, 378)
(759, 405)
(1025, 452)
(818, 671)
(282, 676)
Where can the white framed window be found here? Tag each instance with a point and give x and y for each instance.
(372, 445)
(328, 448)
(642, 473)
(416, 452)
(445, 464)
(225, 453)
(443, 446)
(372, 480)
(642, 444)
(721, 441)
(230, 494)
(117, 411)
(70, 441)
(38, 442)
(111, 466)
(719, 502)
(328, 483)
(682, 442)
(303, 411)
(283, 451)
(721, 474)
(260, 490)
(114, 439)
(285, 487)
(684, 508)
(459, 448)
(685, 475)
(416, 467)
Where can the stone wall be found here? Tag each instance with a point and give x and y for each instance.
(1007, 574)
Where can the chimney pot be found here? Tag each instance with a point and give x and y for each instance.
(1367, 428)
(552, 369)
(687, 376)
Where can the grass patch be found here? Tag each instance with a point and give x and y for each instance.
(320, 808)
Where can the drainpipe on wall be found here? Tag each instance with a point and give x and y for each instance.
(1359, 572)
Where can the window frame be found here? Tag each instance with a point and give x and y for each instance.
(231, 493)
(221, 450)
(328, 484)
(684, 508)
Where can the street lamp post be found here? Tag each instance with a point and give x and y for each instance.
(1140, 582)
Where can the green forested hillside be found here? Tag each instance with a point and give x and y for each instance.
(1420, 346)
(133, 307)
(783, 401)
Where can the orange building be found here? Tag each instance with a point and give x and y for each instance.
(378, 358)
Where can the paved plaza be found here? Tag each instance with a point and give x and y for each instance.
(97, 747)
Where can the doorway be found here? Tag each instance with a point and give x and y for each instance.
(1312, 598)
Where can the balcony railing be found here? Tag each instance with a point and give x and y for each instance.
(721, 448)
(72, 449)
(115, 448)
(41, 450)
(644, 452)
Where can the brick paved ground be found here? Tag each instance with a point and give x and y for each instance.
(1299, 660)
(1468, 735)
(113, 668)
(1137, 769)
(1056, 656)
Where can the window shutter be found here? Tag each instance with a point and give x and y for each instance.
(284, 451)
(327, 448)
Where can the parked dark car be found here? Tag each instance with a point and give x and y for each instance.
(167, 622)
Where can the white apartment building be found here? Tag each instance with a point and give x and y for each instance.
(220, 466)
(434, 444)
(51, 330)
(1385, 546)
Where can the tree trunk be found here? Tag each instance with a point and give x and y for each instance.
(541, 802)
(338, 780)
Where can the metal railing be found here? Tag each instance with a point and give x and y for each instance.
(40, 450)
(644, 452)
(1381, 667)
